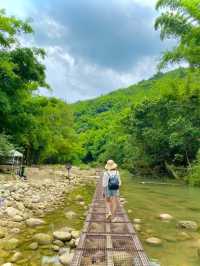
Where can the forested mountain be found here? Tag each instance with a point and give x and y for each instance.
(153, 126)
(147, 127)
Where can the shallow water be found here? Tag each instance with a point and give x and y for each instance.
(147, 201)
(44, 255)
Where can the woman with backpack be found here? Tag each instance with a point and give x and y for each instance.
(111, 185)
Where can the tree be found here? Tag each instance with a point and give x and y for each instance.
(181, 20)
(5, 146)
(10, 27)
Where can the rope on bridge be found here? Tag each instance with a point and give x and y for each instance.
(104, 243)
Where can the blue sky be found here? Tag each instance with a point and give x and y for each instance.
(93, 46)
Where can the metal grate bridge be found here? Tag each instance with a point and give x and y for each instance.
(105, 243)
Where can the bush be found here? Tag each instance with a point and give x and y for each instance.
(5, 146)
(193, 177)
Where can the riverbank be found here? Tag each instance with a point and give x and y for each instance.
(37, 214)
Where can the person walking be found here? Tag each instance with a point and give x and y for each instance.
(111, 185)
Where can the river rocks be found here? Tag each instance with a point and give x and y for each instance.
(66, 259)
(190, 225)
(10, 244)
(137, 227)
(70, 215)
(35, 199)
(75, 234)
(33, 246)
(64, 250)
(4, 254)
(182, 236)
(72, 243)
(12, 212)
(17, 218)
(42, 239)
(15, 230)
(61, 235)
(16, 256)
(165, 217)
(55, 248)
(33, 222)
(79, 198)
(137, 221)
(58, 243)
(20, 206)
(2, 233)
(154, 241)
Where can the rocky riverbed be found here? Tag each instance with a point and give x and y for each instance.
(40, 217)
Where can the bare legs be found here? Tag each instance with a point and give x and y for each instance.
(109, 207)
(111, 204)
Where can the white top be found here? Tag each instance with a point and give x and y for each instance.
(106, 177)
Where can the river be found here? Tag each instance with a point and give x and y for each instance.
(147, 201)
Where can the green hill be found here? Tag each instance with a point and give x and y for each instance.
(114, 125)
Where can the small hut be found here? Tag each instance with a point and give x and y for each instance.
(13, 162)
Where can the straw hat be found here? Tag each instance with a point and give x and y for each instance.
(110, 165)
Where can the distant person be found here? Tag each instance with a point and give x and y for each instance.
(111, 185)
(23, 173)
(68, 168)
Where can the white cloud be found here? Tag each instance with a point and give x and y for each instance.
(148, 3)
(77, 80)
(82, 61)
(51, 27)
(17, 7)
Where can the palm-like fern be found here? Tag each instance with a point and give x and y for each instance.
(181, 20)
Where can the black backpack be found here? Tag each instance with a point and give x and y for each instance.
(113, 182)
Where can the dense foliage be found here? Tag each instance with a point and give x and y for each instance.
(147, 127)
(6, 147)
(180, 20)
(41, 127)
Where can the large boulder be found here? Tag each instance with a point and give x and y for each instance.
(165, 217)
(16, 256)
(42, 239)
(12, 212)
(33, 246)
(10, 244)
(35, 199)
(70, 215)
(66, 258)
(17, 218)
(190, 225)
(154, 241)
(75, 234)
(33, 222)
(137, 221)
(58, 243)
(63, 236)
